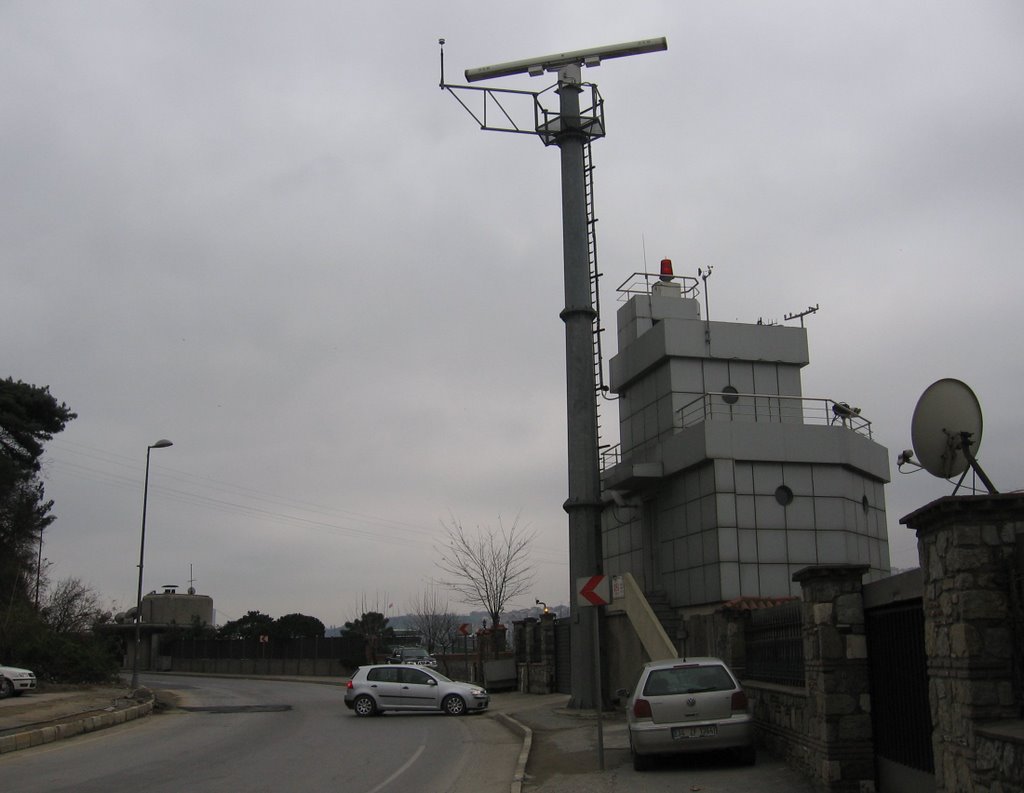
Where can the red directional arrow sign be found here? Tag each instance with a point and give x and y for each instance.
(593, 591)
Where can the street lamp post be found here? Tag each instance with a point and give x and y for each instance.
(161, 444)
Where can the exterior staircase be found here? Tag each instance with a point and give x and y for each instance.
(659, 604)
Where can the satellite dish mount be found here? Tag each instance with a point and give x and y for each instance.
(946, 432)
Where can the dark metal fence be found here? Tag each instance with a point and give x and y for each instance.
(774, 644)
(900, 709)
(348, 650)
(1017, 619)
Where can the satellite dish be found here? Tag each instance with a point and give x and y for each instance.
(946, 410)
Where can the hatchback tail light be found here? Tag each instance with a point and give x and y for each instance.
(739, 700)
(642, 709)
(349, 685)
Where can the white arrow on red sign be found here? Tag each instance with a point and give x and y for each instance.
(593, 591)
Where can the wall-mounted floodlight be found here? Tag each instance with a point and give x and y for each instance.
(588, 57)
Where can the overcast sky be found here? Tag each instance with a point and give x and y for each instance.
(260, 230)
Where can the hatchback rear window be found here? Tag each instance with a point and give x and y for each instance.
(687, 680)
(383, 674)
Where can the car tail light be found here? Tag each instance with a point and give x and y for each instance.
(739, 700)
(642, 709)
(349, 685)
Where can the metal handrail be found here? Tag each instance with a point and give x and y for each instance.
(640, 284)
(757, 408)
(726, 406)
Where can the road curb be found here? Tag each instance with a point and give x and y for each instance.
(524, 752)
(75, 725)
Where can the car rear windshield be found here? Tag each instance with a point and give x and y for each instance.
(687, 680)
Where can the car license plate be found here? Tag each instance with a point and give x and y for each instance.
(699, 731)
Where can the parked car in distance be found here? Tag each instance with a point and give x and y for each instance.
(686, 705)
(407, 687)
(14, 681)
(412, 655)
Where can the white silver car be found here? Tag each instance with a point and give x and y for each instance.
(687, 705)
(375, 689)
(14, 681)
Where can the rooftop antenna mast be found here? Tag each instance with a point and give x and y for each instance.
(571, 130)
(801, 314)
(704, 275)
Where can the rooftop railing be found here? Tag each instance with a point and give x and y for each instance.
(734, 406)
(757, 408)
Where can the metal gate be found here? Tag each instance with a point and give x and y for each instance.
(900, 711)
(563, 661)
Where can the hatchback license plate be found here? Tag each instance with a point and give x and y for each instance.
(701, 731)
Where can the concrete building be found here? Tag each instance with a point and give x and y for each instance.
(171, 608)
(162, 613)
(727, 479)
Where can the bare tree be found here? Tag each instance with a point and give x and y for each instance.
(431, 617)
(491, 567)
(371, 623)
(71, 607)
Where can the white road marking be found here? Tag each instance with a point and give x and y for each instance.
(400, 771)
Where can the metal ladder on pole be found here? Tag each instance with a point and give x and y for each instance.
(600, 387)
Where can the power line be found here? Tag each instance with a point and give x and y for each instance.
(261, 505)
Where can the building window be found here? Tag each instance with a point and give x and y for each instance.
(783, 495)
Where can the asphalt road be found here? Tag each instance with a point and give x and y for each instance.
(258, 735)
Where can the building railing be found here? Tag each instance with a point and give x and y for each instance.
(757, 408)
(640, 284)
(734, 406)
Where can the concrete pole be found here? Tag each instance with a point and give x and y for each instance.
(584, 502)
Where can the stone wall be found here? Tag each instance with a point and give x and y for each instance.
(999, 757)
(781, 716)
(967, 546)
(837, 720)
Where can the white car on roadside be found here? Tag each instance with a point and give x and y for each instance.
(687, 705)
(14, 681)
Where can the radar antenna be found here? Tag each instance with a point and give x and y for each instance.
(571, 128)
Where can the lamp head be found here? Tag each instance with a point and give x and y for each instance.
(163, 443)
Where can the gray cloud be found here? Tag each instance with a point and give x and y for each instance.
(263, 232)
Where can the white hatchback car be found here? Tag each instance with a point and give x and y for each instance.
(15, 681)
(686, 705)
(375, 689)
